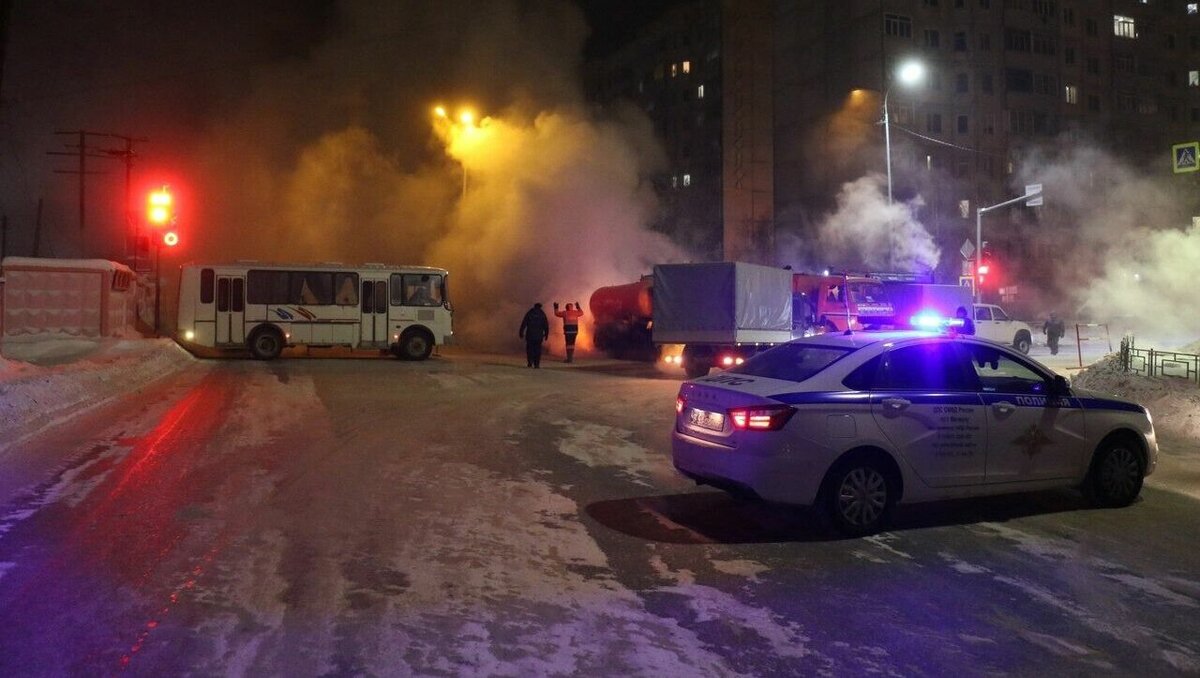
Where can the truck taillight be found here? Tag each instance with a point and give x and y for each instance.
(761, 418)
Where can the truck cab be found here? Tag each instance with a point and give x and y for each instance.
(991, 322)
(835, 303)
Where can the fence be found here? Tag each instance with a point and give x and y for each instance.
(1152, 362)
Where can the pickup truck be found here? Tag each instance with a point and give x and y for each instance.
(991, 322)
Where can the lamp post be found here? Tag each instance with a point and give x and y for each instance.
(467, 119)
(910, 73)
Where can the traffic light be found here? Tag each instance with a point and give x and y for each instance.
(160, 208)
(986, 267)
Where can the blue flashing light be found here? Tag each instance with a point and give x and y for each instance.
(927, 321)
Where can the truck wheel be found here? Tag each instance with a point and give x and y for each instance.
(414, 345)
(694, 369)
(266, 343)
(1022, 341)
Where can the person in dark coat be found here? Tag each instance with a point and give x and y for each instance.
(535, 329)
(1054, 330)
(968, 325)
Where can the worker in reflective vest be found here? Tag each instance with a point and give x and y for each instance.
(570, 317)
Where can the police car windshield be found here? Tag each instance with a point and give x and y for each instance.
(793, 362)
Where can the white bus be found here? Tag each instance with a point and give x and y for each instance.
(267, 307)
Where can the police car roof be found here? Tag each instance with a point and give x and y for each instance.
(858, 340)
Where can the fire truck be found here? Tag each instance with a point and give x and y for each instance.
(837, 302)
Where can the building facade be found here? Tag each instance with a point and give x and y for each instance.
(1008, 85)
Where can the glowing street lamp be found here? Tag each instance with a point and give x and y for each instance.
(909, 73)
(466, 119)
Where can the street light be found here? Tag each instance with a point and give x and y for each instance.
(466, 120)
(909, 73)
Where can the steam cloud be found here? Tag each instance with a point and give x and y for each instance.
(1133, 228)
(865, 232)
(315, 141)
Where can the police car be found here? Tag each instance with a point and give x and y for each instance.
(857, 423)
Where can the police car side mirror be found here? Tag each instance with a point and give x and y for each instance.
(1059, 386)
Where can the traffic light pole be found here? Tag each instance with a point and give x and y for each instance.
(157, 284)
(979, 237)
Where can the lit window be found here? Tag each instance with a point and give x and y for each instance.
(1193, 78)
(1071, 93)
(687, 67)
(687, 180)
(700, 92)
(674, 181)
(1193, 7)
(674, 70)
(1124, 26)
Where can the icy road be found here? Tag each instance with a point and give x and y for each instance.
(469, 516)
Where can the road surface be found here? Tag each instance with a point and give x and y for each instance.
(470, 516)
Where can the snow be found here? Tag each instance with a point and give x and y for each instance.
(46, 380)
(74, 264)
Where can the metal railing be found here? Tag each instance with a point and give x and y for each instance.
(1157, 363)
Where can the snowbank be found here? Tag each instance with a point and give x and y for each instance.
(43, 382)
(1174, 403)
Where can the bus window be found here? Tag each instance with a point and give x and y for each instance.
(207, 277)
(417, 289)
(311, 287)
(347, 287)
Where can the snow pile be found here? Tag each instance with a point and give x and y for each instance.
(1173, 402)
(43, 382)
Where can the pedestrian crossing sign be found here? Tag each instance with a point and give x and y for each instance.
(1184, 157)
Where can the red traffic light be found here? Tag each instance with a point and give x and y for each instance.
(160, 208)
(170, 238)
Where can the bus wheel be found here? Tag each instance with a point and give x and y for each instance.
(414, 345)
(266, 343)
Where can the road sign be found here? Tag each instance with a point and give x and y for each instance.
(1034, 193)
(1184, 157)
(967, 281)
(967, 249)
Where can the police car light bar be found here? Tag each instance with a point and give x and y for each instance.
(933, 321)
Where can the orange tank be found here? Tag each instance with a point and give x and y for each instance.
(622, 303)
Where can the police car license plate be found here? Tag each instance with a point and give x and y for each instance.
(713, 421)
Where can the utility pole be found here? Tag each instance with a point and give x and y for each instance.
(37, 230)
(132, 226)
(5, 12)
(83, 152)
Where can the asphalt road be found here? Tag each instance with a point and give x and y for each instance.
(470, 516)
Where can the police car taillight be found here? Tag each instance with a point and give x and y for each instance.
(761, 418)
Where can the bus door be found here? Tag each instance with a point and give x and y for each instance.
(374, 306)
(231, 310)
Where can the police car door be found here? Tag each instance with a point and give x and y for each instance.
(926, 402)
(1030, 436)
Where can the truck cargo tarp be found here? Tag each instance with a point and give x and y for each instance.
(722, 302)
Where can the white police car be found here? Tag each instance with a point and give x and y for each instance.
(858, 423)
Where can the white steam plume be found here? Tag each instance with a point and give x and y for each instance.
(866, 232)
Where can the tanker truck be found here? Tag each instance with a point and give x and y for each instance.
(623, 319)
(721, 313)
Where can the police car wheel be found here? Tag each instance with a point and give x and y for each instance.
(859, 497)
(1116, 476)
